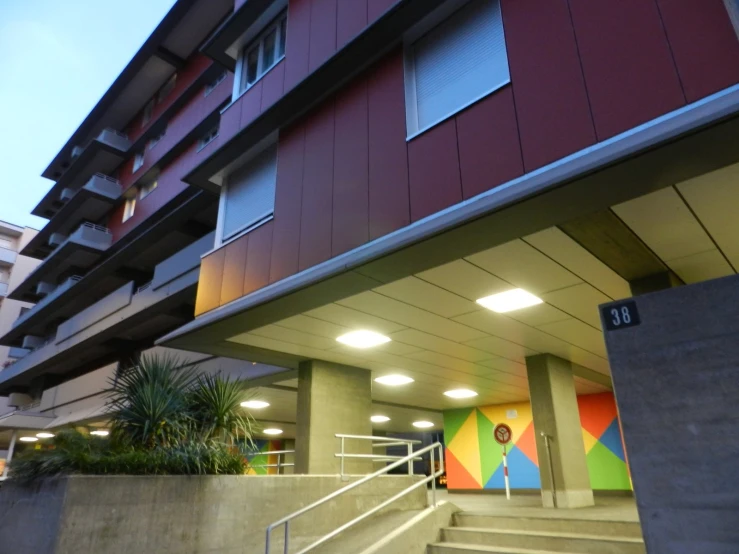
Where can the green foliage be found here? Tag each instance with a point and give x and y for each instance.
(165, 420)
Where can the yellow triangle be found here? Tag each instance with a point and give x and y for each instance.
(518, 424)
(589, 441)
(466, 449)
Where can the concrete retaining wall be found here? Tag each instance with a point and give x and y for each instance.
(180, 515)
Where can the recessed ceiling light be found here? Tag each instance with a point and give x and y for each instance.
(100, 433)
(45, 435)
(28, 439)
(255, 404)
(460, 393)
(363, 339)
(379, 419)
(422, 424)
(393, 380)
(272, 431)
(509, 301)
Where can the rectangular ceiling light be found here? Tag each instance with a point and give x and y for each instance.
(509, 301)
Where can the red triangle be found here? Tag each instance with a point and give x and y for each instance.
(597, 412)
(526, 443)
(457, 477)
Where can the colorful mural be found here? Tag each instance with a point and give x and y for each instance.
(475, 461)
(257, 460)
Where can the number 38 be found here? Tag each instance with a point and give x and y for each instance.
(621, 316)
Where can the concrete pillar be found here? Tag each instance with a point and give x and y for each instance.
(9, 457)
(332, 399)
(288, 444)
(562, 452)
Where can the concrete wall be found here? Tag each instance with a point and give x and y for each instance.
(676, 377)
(180, 515)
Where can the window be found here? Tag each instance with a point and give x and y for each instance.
(6, 243)
(4, 276)
(455, 64)
(146, 190)
(248, 196)
(263, 53)
(148, 109)
(210, 87)
(129, 209)
(155, 140)
(209, 137)
(167, 88)
(138, 161)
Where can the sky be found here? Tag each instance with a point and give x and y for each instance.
(57, 58)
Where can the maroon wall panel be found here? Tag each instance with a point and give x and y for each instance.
(351, 19)
(375, 8)
(288, 199)
(351, 173)
(251, 104)
(233, 269)
(298, 42)
(629, 70)
(433, 161)
(318, 172)
(273, 85)
(704, 44)
(258, 259)
(322, 32)
(209, 284)
(548, 87)
(389, 204)
(489, 147)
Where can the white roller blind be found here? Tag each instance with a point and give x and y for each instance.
(250, 193)
(459, 62)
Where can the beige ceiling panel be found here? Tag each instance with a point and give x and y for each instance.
(701, 267)
(541, 314)
(506, 366)
(392, 347)
(410, 316)
(578, 333)
(314, 326)
(501, 347)
(437, 344)
(294, 337)
(465, 279)
(426, 296)
(714, 198)
(525, 267)
(560, 247)
(580, 301)
(353, 319)
(663, 221)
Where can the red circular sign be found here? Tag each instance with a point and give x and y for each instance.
(502, 433)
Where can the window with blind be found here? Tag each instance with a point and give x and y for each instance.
(457, 63)
(248, 197)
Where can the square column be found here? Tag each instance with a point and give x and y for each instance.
(562, 452)
(332, 399)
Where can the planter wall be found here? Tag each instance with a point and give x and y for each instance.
(180, 515)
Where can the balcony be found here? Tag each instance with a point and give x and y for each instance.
(56, 293)
(100, 156)
(7, 256)
(18, 353)
(89, 203)
(3, 290)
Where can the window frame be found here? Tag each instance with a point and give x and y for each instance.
(153, 141)
(427, 26)
(258, 221)
(147, 113)
(211, 86)
(240, 83)
(208, 137)
(129, 209)
(167, 88)
(138, 160)
(147, 189)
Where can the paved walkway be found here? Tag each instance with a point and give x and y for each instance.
(529, 505)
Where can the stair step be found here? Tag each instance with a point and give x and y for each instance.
(557, 524)
(578, 543)
(459, 548)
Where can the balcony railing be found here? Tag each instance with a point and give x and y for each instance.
(7, 256)
(3, 290)
(61, 289)
(111, 137)
(99, 184)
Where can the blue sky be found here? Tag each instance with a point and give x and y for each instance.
(57, 58)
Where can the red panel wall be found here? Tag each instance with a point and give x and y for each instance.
(298, 42)
(351, 19)
(234, 266)
(256, 273)
(704, 45)
(322, 43)
(629, 70)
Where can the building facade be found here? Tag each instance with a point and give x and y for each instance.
(411, 214)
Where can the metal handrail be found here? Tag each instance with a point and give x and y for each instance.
(286, 520)
(96, 227)
(389, 441)
(279, 454)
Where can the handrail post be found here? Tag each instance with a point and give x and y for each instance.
(433, 481)
(287, 536)
(279, 463)
(342, 457)
(410, 460)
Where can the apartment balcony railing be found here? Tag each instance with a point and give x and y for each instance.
(99, 185)
(17, 352)
(3, 290)
(56, 293)
(109, 137)
(7, 256)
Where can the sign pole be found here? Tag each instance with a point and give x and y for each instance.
(505, 474)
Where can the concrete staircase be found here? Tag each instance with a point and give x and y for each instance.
(474, 533)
